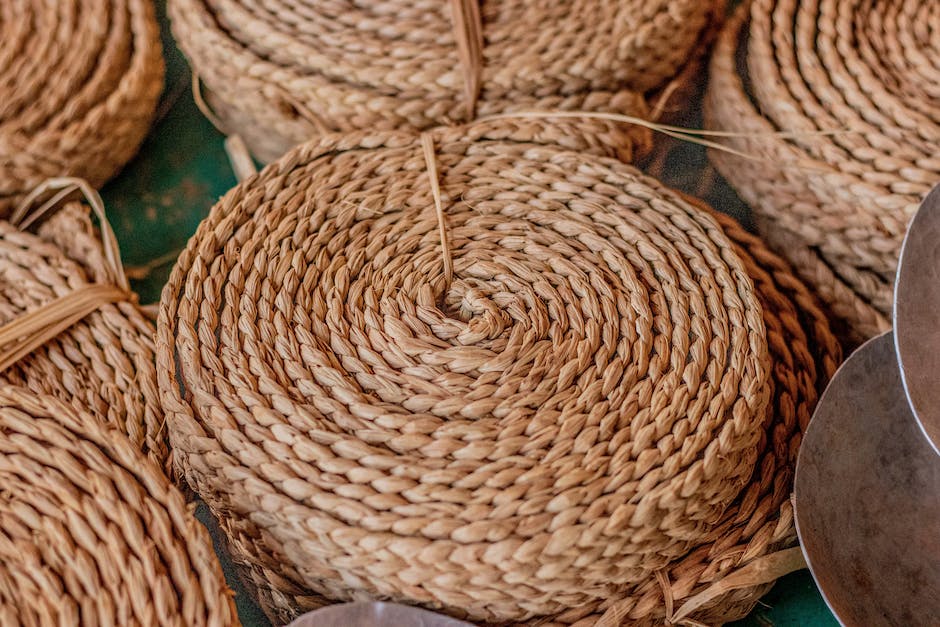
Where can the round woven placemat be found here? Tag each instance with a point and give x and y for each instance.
(91, 532)
(79, 82)
(837, 205)
(279, 73)
(104, 363)
(587, 402)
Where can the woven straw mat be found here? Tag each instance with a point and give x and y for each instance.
(91, 532)
(103, 364)
(837, 205)
(278, 73)
(79, 82)
(609, 387)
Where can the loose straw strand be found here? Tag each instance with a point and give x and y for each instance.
(204, 107)
(662, 128)
(760, 571)
(427, 147)
(663, 580)
(238, 156)
(25, 216)
(240, 159)
(659, 108)
(142, 271)
(691, 135)
(468, 32)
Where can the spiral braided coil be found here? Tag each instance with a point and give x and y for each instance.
(609, 386)
(836, 205)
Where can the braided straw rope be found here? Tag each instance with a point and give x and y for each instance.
(102, 362)
(278, 73)
(598, 393)
(79, 83)
(91, 532)
(836, 204)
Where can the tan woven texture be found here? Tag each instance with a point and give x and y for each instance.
(91, 532)
(278, 73)
(79, 82)
(836, 205)
(104, 364)
(600, 393)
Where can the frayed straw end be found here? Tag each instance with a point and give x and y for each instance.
(761, 571)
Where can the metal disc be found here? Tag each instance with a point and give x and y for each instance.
(917, 315)
(868, 497)
(374, 614)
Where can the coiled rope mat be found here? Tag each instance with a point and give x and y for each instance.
(837, 205)
(277, 73)
(102, 360)
(598, 406)
(91, 532)
(79, 82)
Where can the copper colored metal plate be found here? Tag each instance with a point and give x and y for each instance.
(917, 316)
(868, 497)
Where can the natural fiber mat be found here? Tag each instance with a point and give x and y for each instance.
(836, 204)
(96, 353)
(560, 394)
(91, 532)
(79, 82)
(278, 73)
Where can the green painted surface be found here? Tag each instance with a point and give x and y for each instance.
(157, 202)
(159, 199)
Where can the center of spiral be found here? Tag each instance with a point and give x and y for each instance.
(484, 318)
